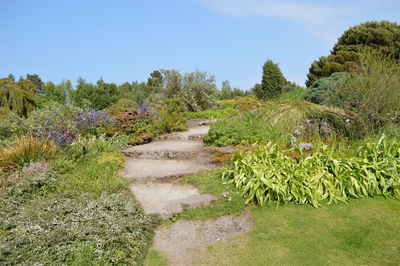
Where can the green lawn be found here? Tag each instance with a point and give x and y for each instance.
(362, 232)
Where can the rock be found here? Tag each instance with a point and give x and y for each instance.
(151, 170)
(203, 123)
(306, 146)
(178, 241)
(325, 129)
(198, 201)
(293, 141)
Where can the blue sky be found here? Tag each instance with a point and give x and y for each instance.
(125, 40)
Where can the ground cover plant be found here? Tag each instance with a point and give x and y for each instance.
(213, 113)
(75, 209)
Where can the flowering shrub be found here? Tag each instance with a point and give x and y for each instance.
(106, 230)
(63, 124)
(138, 124)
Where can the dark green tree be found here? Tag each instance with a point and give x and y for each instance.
(36, 80)
(155, 80)
(172, 83)
(226, 91)
(18, 97)
(238, 92)
(257, 91)
(53, 92)
(272, 81)
(382, 36)
(12, 77)
(83, 94)
(104, 95)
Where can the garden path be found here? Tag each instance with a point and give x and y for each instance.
(153, 168)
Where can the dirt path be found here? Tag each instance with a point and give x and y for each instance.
(152, 168)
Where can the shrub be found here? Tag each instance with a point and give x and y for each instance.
(268, 175)
(25, 150)
(170, 116)
(138, 124)
(323, 91)
(64, 123)
(373, 93)
(381, 36)
(248, 103)
(198, 91)
(124, 103)
(226, 104)
(213, 113)
(10, 125)
(247, 130)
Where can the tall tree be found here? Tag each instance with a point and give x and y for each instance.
(226, 91)
(17, 97)
(36, 80)
(155, 80)
(382, 36)
(172, 82)
(57, 93)
(272, 81)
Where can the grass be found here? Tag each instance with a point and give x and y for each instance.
(24, 150)
(288, 115)
(229, 202)
(361, 232)
(154, 258)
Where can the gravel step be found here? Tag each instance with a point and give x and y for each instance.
(169, 199)
(179, 241)
(195, 133)
(168, 149)
(150, 169)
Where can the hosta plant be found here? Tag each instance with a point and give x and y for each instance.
(268, 175)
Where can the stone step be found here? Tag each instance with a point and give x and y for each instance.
(179, 241)
(195, 133)
(167, 149)
(150, 170)
(169, 199)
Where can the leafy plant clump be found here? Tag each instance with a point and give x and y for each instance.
(170, 116)
(213, 113)
(138, 124)
(248, 103)
(25, 150)
(248, 129)
(267, 175)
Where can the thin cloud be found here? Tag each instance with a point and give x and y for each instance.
(317, 18)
